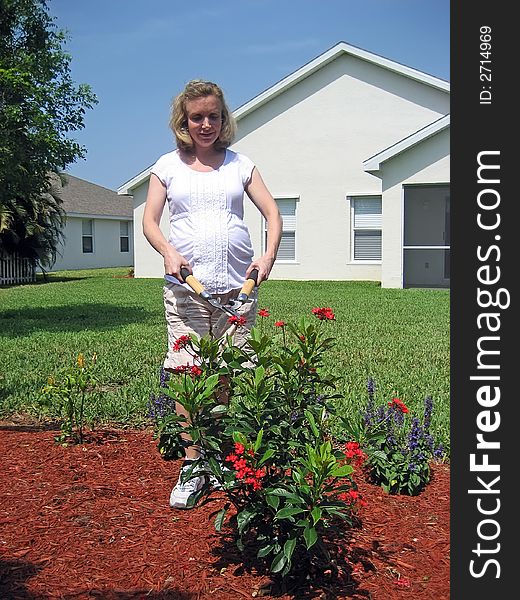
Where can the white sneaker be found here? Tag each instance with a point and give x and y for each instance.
(182, 492)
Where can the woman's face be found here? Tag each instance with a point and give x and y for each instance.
(204, 120)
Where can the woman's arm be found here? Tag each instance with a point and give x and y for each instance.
(262, 199)
(153, 209)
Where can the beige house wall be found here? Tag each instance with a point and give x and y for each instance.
(148, 262)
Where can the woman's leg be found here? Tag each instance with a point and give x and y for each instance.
(185, 314)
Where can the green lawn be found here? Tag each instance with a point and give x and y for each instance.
(400, 338)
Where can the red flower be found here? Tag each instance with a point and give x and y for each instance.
(324, 313)
(354, 454)
(181, 343)
(244, 471)
(263, 312)
(193, 370)
(237, 320)
(352, 498)
(396, 403)
(280, 324)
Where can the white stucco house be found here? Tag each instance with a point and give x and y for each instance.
(98, 228)
(355, 148)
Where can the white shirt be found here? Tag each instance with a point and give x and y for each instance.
(206, 218)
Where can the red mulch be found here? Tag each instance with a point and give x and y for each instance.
(93, 521)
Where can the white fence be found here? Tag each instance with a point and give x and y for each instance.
(14, 269)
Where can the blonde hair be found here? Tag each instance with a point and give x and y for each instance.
(179, 116)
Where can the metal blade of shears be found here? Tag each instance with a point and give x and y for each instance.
(247, 288)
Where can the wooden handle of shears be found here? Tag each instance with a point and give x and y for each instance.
(249, 283)
(192, 281)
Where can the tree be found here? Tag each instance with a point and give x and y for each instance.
(39, 106)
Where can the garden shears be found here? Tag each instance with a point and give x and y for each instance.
(233, 305)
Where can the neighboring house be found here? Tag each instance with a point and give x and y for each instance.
(355, 149)
(98, 229)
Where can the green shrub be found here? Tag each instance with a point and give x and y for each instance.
(399, 446)
(64, 397)
(270, 447)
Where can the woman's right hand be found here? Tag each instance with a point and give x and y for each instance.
(174, 262)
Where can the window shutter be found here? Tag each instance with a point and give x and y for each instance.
(287, 208)
(367, 245)
(368, 213)
(287, 249)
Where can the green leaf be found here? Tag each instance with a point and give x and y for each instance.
(266, 456)
(280, 492)
(219, 519)
(258, 441)
(310, 536)
(312, 423)
(214, 466)
(316, 514)
(219, 410)
(265, 550)
(288, 512)
(243, 520)
(273, 501)
(240, 438)
(259, 375)
(279, 562)
(288, 547)
(342, 471)
(303, 523)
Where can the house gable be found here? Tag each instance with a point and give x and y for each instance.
(340, 49)
(375, 70)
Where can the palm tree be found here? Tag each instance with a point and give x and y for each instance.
(33, 227)
(5, 217)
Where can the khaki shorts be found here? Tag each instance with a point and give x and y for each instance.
(186, 313)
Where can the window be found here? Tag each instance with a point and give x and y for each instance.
(287, 248)
(123, 236)
(87, 236)
(366, 219)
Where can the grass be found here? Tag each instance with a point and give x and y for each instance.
(400, 338)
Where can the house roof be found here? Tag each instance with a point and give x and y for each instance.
(374, 163)
(308, 69)
(82, 197)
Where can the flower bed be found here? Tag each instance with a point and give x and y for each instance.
(290, 494)
(92, 521)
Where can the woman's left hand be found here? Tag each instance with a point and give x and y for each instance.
(264, 264)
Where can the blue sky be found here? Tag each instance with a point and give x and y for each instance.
(138, 54)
